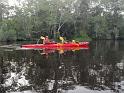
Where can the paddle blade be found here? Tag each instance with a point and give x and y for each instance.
(42, 37)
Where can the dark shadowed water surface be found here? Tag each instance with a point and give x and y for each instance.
(99, 69)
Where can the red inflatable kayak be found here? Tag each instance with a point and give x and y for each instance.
(58, 45)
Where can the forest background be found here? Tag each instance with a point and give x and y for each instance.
(72, 19)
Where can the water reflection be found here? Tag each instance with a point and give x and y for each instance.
(61, 50)
(99, 69)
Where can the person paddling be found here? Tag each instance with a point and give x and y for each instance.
(45, 39)
(62, 39)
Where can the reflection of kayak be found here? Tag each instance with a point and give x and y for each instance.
(46, 51)
(58, 45)
(60, 50)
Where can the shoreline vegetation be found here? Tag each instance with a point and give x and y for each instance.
(81, 20)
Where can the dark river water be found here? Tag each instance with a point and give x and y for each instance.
(99, 69)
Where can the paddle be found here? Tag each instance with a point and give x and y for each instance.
(42, 37)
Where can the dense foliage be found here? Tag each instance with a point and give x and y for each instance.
(96, 19)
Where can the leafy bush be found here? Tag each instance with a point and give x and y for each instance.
(82, 37)
(7, 35)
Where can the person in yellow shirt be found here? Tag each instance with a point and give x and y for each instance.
(62, 39)
(73, 41)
